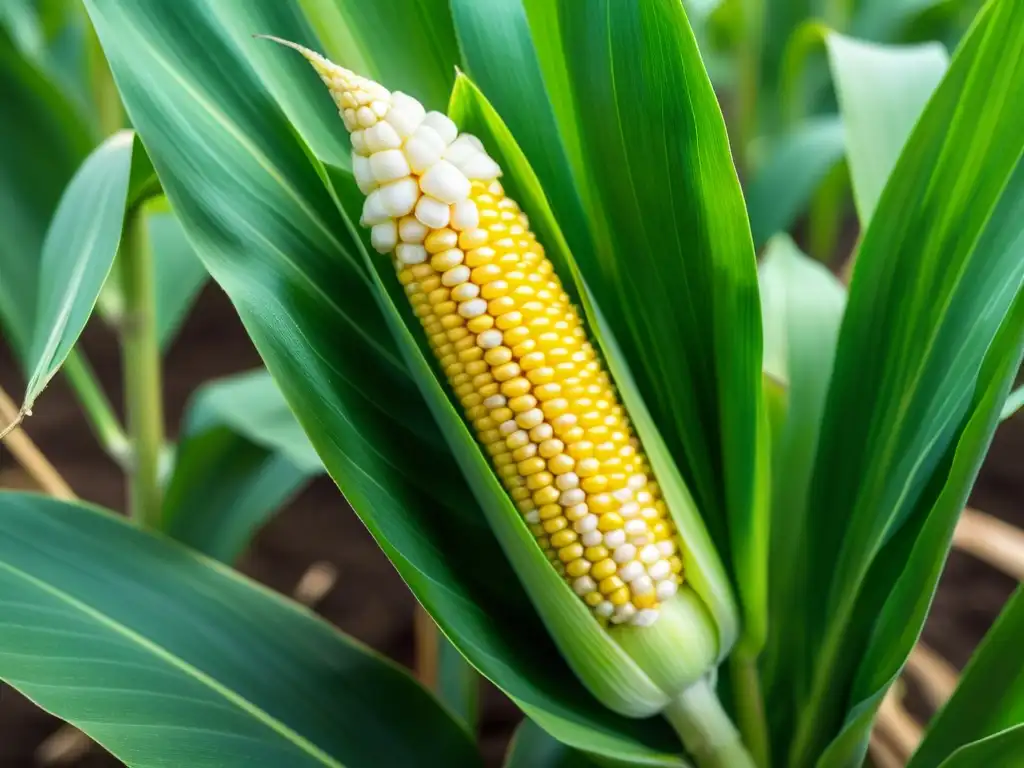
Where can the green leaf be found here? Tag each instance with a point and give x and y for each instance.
(253, 204)
(937, 270)
(911, 563)
(885, 20)
(241, 457)
(882, 91)
(47, 125)
(793, 169)
(675, 274)
(154, 651)
(1003, 750)
(407, 44)
(802, 305)
(458, 684)
(532, 747)
(79, 250)
(990, 696)
(1013, 403)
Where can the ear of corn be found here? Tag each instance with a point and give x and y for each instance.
(518, 359)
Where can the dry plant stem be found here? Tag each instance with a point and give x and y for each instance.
(935, 676)
(883, 754)
(428, 640)
(999, 544)
(749, 702)
(901, 730)
(706, 730)
(29, 456)
(142, 375)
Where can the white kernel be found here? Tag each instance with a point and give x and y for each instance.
(358, 139)
(604, 608)
(405, 115)
(384, 237)
(642, 585)
(456, 275)
(462, 148)
(411, 230)
(642, 541)
(542, 432)
(638, 482)
(634, 528)
(577, 512)
(364, 176)
(622, 494)
(389, 165)
(572, 497)
(472, 308)
(441, 123)
(584, 585)
(631, 570)
(650, 554)
(445, 182)
(591, 539)
(649, 513)
(643, 498)
(624, 613)
(644, 618)
(409, 253)
(666, 547)
(530, 418)
(586, 524)
(631, 509)
(373, 210)
(495, 401)
(480, 167)
(659, 570)
(348, 100)
(365, 117)
(508, 427)
(489, 339)
(380, 108)
(348, 116)
(532, 517)
(465, 215)
(665, 590)
(399, 197)
(362, 97)
(624, 554)
(615, 539)
(567, 481)
(465, 292)
(422, 150)
(433, 213)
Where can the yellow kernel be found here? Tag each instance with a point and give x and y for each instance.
(515, 387)
(539, 480)
(458, 381)
(602, 502)
(522, 403)
(603, 569)
(568, 553)
(450, 320)
(610, 584)
(487, 388)
(548, 511)
(500, 415)
(517, 440)
(494, 290)
(519, 494)
(619, 596)
(676, 564)
(544, 375)
(555, 524)
(555, 407)
(441, 240)
(532, 467)
(515, 336)
(561, 464)
(538, 530)
(551, 448)
(498, 355)
(596, 554)
(510, 320)
(503, 460)
(610, 521)
(592, 598)
(506, 371)
(470, 355)
(491, 435)
(485, 274)
(472, 238)
(501, 305)
(578, 567)
(587, 467)
(545, 496)
(479, 257)
(524, 452)
(648, 600)
(510, 471)
(480, 323)
(564, 538)
(476, 367)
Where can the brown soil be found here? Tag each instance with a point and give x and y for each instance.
(318, 526)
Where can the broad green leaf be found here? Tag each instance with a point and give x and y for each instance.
(676, 276)
(47, 126)
(790, 173)
(79, 250)
(882, 91)
(22, 24)
(1013, 403)
(458, 684)
(937, 270)
(1002, 750)
(990, 696)
(241, 457)
(802, 305)
(911, 563)
(885, 20)
(532, 747)
(407, 44)
(158, 653)
(252, 202)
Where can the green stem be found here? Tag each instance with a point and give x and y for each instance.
(109, 110)
(749, 79)
(746, 683)
(140, 351)
(706, 730)
(98, 409)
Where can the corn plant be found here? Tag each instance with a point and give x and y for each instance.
(681, 508)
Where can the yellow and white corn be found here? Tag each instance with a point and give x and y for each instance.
(512, 347)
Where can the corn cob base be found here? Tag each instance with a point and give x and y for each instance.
(513, 349)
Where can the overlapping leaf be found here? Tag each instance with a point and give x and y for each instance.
(159, 654)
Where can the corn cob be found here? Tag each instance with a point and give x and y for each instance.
(512, 347)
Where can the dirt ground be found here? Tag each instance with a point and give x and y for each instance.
(318, 527)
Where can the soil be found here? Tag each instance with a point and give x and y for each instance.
(318, 526)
